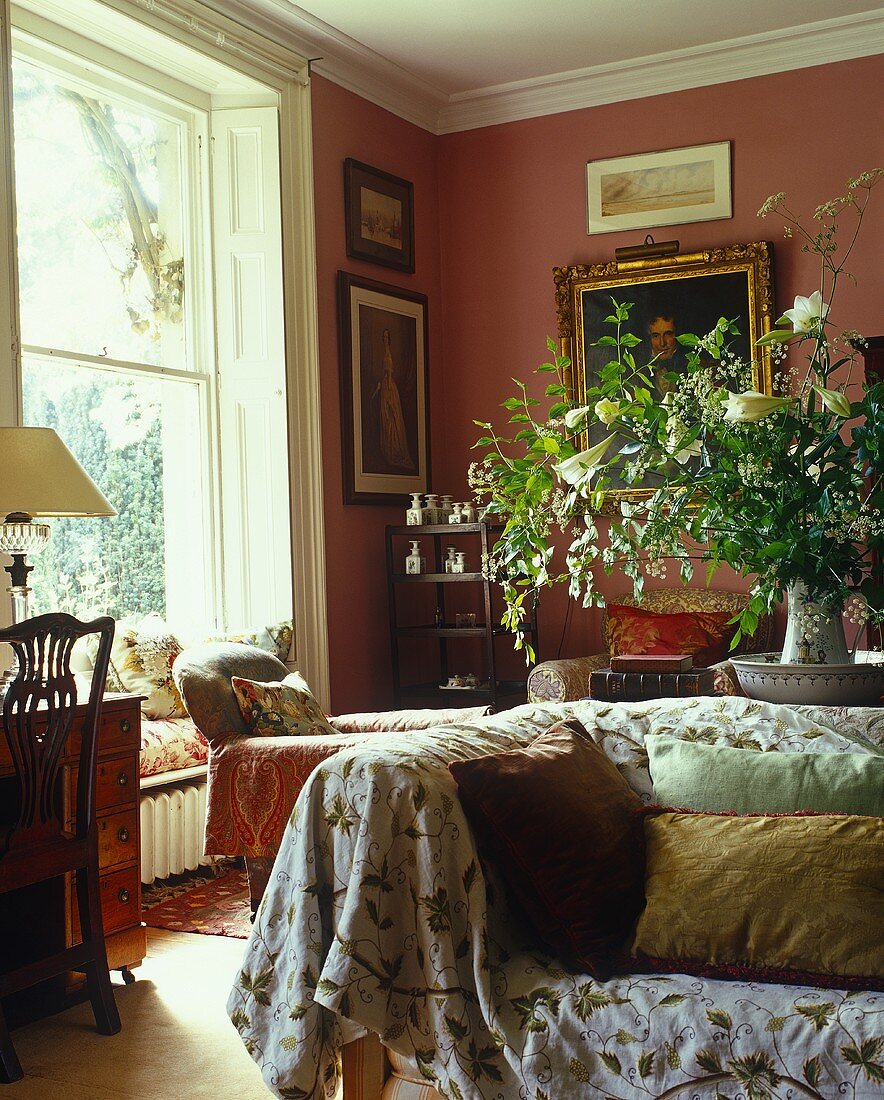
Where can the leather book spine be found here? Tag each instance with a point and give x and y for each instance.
(636, 687)
(606, 685)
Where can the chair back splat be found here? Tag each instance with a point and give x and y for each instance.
(37, 842)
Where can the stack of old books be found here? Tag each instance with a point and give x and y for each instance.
(633, 677)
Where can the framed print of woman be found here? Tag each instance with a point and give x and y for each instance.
(383, 348)
(393, 438)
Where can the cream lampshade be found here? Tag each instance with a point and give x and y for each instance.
(38, 477)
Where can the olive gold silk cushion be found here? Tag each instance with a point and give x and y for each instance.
(694, 776)
(286, 708)
(561, 825)
(795, 899)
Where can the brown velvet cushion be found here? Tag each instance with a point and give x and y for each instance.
(560, 823)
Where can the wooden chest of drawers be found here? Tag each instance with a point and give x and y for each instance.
(118, 841)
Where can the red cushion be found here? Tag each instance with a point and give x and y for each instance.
(704, 634)
(560, 823)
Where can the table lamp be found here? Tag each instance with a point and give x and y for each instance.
(38, 477)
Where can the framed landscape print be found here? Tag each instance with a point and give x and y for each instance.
(384, 397)
(666, 188)
(379, 216)
(670, 296)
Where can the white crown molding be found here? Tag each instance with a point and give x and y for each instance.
(371, 76)
(341, 59)
(736, 59)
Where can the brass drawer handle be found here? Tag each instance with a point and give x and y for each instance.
(123, 834)
(124, 896)
(123, 779)
(125, 725)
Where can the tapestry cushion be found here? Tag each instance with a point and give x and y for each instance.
(284, 708)
(706, 635)
(796, 899)
(559, 821)
(142, 654)
(695, 776)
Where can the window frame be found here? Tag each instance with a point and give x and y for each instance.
(99, 70)
(285, 72)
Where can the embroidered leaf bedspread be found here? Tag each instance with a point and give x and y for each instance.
(380, 916)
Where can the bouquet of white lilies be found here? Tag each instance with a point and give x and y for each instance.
(784, 487)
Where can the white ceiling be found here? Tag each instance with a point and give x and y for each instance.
(462, 45)
(455, 64)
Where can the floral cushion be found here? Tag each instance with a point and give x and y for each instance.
(141, 663)
(168, 744)
(276, 639)
(280, 709)
(704, 634)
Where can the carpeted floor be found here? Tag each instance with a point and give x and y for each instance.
(176, 1042)
(201, 902)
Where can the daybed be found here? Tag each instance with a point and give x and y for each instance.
(173, 761)
(254, 781)
(381, 919)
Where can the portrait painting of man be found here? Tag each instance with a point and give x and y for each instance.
(661, 312)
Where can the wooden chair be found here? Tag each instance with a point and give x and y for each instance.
(39, 843)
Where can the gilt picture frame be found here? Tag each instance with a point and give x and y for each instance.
(669, 295)
(378, 216)
(669, 187)
(383, 342)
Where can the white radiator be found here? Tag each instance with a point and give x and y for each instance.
(173, 820)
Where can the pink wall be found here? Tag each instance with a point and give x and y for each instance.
(513, 207)
(496, 209)
(344, 125)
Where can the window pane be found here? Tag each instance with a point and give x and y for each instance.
(139, 440)
(100, 222)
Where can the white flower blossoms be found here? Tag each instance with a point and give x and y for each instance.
(573, 417)
(580, 467)
(607, 410)
(743, 408)
(834, 400)
(807, 313)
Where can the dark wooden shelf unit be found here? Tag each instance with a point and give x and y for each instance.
(478, 538)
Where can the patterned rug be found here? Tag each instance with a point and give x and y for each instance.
(201, 902)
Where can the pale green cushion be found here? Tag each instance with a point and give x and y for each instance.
(693, 776)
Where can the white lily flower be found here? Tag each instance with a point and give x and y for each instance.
(692, 450)
(574, 416)
(751, 406)
(807, 313)
(834, 400)
(607, 410)
(580, 467)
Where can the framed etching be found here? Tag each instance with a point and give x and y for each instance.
(670, 296)
(378, 216)
(666, 188)
(384, 397)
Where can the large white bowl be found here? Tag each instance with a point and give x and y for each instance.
(763, 676)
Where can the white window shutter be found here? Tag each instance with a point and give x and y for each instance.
(254, 456)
